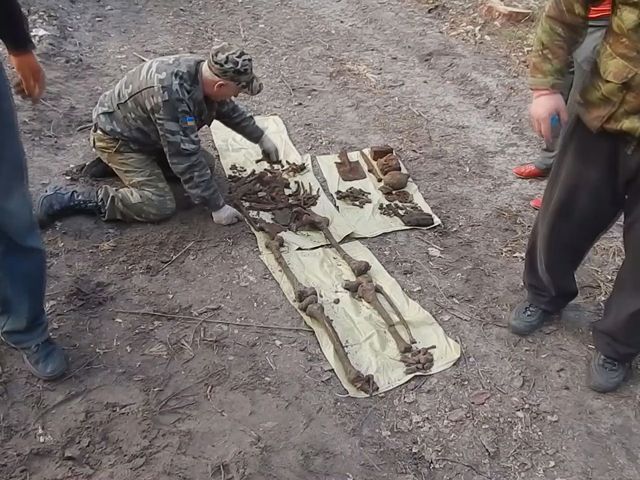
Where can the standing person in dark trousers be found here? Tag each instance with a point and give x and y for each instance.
(23, 323)
(582, 62)
(596, 177)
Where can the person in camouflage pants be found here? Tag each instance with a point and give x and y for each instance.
(596, 177)
(152, 116)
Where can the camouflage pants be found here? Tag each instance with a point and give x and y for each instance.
(146, 197)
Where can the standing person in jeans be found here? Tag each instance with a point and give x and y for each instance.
(23, 323)
(583, 59)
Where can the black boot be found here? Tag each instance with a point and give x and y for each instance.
(58, 202)
(607, 374)
(46, 360)
(98, 169)
(527, 318)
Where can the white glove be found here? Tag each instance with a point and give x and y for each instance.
(227, 215)
(269, 149)
(544, 106)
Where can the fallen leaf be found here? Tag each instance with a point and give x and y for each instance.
(457, 415)
(480, 397)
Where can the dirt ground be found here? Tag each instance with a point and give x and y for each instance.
(165, 398)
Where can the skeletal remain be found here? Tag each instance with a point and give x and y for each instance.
(294, 169)
(268, 191)
(371, 168)
(401, 196)
(411, 214)
(396, 310)
(354, 196)
(420, 360)
(243, 211)
(396, 180)
(364, 383)
(265, 158)
(300, 291)
(389, 163)
(318, 222)
(307, 299)
(271, 229)
(365, 289)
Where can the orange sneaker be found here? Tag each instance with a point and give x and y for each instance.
(536, 203)
(529, 170)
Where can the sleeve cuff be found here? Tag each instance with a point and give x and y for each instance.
(255, 135)
(216, 202)
(545, 84)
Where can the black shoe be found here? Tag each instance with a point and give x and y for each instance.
(98, 169)
(46, 360)
(58, 202)
(607, 374)
(527, 318)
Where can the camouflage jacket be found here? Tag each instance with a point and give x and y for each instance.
(611, 99)
(160, 105)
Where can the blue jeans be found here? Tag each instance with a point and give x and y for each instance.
(23, 322)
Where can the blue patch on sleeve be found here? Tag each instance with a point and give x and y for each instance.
(188, 121)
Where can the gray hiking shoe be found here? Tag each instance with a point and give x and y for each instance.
(606, 374)
(527, 318)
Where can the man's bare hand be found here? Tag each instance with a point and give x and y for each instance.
(32, 79)
(545, 105)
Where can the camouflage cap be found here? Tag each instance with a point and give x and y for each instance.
(234, 64)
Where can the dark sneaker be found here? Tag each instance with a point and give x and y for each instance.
(607, 374)
(527, 318)
(46, 360)
(58, 202)
(98, 169)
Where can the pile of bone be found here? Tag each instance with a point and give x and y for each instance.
(418, 360)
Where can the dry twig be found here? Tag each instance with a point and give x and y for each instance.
(144, 59)
(219, 322)
(176, 256)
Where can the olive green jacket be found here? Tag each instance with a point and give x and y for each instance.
(611, 99)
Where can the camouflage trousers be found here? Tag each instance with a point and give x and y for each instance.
(146, 196)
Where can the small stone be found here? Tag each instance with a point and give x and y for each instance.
(137, 463)
(71, 454)
(552, 418)
(434, 252)
(278, 344)
(336, 301)
(517, 381)
(409, 397)
(457, 415)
